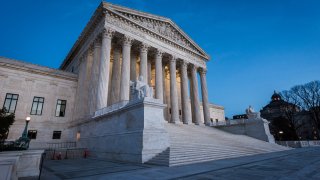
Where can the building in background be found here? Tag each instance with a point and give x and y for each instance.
(287, 121)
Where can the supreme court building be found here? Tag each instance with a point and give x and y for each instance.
(88, 99)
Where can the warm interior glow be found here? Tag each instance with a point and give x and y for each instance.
(78, 136)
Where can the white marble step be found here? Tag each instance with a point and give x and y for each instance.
(193, 144)
(205, 146)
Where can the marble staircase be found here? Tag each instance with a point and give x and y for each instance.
(193, 144)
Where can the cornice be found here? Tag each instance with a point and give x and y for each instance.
(93, 22)
(99, 14)
(36, 69)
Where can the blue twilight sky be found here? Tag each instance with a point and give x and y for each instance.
(255, 46)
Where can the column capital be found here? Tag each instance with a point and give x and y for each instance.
(144, 47)
(194, 67)
(107, 33)
(90, 50)
(203, 71)
(159, 53)
(127, 40)
(97, 42)
(173, 58)
(184, 64)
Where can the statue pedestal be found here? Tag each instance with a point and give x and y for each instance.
(259, 128)
(133, 133)
(19, 164)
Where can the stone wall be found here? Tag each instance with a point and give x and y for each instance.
(255, 127)
(30, 80)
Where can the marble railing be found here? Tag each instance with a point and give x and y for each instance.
(228, 122)
(61, 145)
(111, 108)
(299, 144)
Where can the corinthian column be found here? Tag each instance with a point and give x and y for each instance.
(115, 79)
(195, 96)
(159, 75)
(133, 65)
(173, 92)
(125, 72)
(186, 111)
(94, 75)
(87, 80)
(149, 73)
(103, 80)
(204, 92)
(143, 62)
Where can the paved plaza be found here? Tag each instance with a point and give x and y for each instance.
(294, 164)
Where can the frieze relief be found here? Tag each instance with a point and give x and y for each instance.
(128, 26)
(163, 28)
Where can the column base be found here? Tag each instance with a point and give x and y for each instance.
(187, 122)
(176, 121)
(207, 124)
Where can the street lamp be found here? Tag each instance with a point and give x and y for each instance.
(280, 136)
(25, 132)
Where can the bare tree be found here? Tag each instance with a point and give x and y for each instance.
(290, 108)
(307, 97)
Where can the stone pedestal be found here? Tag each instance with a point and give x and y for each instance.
(259, 128)
(17, 164)
(255, 127)
(135, 132)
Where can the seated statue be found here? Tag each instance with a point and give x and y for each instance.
(140, 89)
(251, 113)
(250, 110)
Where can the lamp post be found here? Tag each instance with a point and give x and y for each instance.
(25, 132)
(280, 132)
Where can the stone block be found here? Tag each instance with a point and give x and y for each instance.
(17, 164)
(133, 133)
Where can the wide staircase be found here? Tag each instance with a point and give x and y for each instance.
(193, 144)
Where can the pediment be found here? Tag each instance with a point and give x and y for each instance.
(160, 25)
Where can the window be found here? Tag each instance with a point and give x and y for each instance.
(10, 102)
(32, 134)
(61, 108)
(56, 135)
(37, 106)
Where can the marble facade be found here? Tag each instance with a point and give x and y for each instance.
(124, 44)
(29, 80)
(117, 46)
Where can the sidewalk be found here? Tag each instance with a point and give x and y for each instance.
(293, 164)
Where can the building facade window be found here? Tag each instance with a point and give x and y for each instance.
(32, 134)
(61, 108)
(10, 102)
(37, 106)
(56, 135)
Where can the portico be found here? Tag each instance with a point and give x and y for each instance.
(113, 62)
(124, 44)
